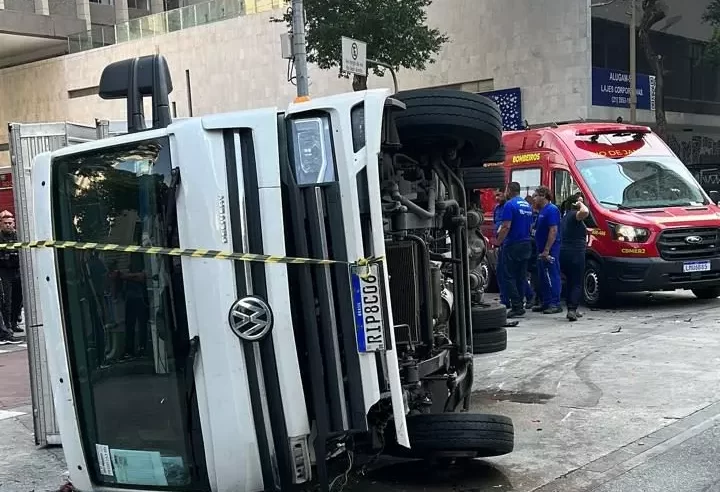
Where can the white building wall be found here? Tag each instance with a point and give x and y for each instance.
(541, 46)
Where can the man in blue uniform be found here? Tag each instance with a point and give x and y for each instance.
(497, 220)
(547, 240)
(514, 235)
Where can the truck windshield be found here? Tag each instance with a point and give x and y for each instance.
(646, 182)
(125, 319)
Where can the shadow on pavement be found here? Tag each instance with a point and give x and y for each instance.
(472, 476)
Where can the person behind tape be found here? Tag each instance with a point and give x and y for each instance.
(514, 236)
(572, 251)
(547, 239)
(498, 220)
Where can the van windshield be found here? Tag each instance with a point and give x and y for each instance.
(641, 182)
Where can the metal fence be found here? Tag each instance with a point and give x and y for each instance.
(169, 21)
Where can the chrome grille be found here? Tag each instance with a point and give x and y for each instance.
(689, 243)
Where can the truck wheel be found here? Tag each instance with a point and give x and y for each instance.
(595, 294)
(707, 293)
(484, 434)
(476, 178)
(468, 121)
(497, 157)
(489, 342)
(488, 317)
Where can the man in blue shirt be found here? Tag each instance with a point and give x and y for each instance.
(497, 220)
(547, 240)
(514, 236)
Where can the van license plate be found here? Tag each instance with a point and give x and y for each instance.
(696, 266)
(367, 303)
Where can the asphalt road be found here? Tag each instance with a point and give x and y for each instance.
(624, 400)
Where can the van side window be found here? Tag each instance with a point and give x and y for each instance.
(529, 180)
(563, 186)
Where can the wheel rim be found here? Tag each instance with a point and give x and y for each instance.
(592, 286)
(484, 275)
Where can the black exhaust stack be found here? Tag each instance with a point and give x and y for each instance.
(134, 79)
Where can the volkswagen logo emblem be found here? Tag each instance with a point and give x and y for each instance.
(251, 319)
(693, 239)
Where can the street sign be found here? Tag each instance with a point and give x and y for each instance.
(354, 56)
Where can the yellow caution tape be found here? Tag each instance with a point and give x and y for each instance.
(192, 253)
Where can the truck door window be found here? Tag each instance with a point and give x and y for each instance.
(529, 179)
(563, 186)
(125, 320)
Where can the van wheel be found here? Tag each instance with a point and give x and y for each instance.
(468, 122)
(707, 293)
(461, 433)
(594, 292)
(476, 178)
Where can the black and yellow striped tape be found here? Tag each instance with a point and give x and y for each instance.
(192, 253)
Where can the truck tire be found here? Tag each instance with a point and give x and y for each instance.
(707, 293)
(497, 157)
(476, 178)
(488, 317)
(595, 294)
(489, 342)
(484, 434)
(470, 121)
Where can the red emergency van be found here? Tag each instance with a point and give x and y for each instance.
(651, 225)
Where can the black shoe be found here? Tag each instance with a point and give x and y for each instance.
(553, 310)
(9, 339)
(572, 315)
(15, 329)
(516, 313)
(538, 309)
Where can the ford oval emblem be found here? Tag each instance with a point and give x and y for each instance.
(693, 239)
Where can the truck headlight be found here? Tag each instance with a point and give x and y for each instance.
(312, 150)
(629, 234)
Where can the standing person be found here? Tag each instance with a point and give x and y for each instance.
(547, 240)
(16, 307)
(572, 251)
(497, 220)
(9, 272)
(514, 236)
(532, 293)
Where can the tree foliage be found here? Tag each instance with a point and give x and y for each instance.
(712, 16)
(653, 11)
(395, 31)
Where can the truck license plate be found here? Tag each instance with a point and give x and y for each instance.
(696, 266)
(368, 306)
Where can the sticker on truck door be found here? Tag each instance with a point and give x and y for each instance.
(368, 308)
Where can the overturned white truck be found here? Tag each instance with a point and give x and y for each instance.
(294, 286)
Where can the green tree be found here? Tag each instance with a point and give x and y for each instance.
(395, 31)
(653, 11)
(712, 16)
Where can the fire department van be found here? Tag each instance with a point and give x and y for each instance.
(651, 227)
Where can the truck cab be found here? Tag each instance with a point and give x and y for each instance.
(291, 287)
(651, 226)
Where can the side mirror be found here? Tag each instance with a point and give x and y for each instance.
(715, 196)
(135, 78)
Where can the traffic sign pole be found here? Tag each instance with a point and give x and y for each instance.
(299, 49)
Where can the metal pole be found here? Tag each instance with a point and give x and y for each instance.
(633, 68)
(299, 50)
(390, 69)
